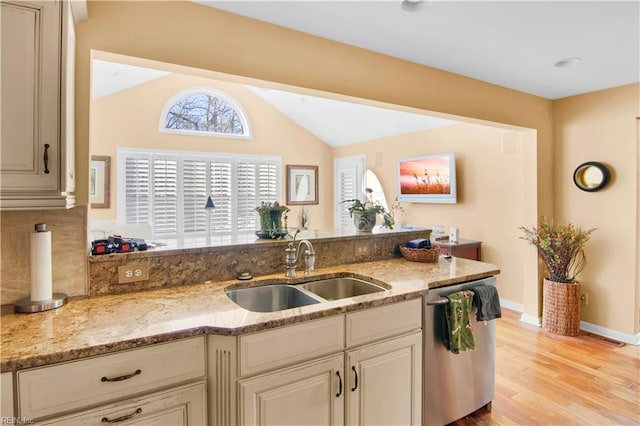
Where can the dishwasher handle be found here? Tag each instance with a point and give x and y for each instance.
(438, 301)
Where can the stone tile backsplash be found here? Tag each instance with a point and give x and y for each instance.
(190, 266)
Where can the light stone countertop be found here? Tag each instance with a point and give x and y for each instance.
(103, 324)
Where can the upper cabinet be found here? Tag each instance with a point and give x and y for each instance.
(37, 111)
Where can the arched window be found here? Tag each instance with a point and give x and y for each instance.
(205, 111)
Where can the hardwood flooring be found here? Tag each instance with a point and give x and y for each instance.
(546, 379)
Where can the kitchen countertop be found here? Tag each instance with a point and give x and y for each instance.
(98, 325)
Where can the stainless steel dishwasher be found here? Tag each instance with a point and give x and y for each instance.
(456, 384)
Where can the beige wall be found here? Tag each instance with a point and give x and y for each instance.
(130, 118)
(181, 32)
(602, 126)
(490, 208)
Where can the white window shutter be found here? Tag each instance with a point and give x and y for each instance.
(246, 196)
(349, 185)
(221, 190)
(194, 196)
(137, 196)
(165, 196)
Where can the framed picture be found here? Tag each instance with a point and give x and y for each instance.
(99, 182)
(428, 179)
(302, 185)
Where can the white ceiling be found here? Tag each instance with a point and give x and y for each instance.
(342, 123)
(514, 44)
(110, 77)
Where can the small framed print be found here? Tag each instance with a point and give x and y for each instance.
(302, 185)
(100, 181)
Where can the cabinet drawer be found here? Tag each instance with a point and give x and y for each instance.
(63, 387)
(386, 321)
(181, 406)
(275, 348)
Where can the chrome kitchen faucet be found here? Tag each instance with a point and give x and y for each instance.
(293, 256)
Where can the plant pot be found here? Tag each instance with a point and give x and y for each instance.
(271, 226)
(364, 221)
(561, 308)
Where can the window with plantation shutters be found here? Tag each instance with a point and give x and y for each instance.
(168, 190)
(349, 184)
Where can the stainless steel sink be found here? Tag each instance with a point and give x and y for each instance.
(270, 298)
(277, 297)
(340, 288)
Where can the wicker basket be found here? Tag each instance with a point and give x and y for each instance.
(420, 255)
(561, 308)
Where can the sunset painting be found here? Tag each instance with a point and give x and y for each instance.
(427, 179)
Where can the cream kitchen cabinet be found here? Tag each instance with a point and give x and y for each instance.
(356, 368)
(6, 395)
(111, 383)
(384, 383)
(308, 394)
(37, 111)
(180, 406)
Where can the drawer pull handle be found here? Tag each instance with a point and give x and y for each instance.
(46, 158)
(121, 378)
(355, 386)
(122, 418)
(339, 384)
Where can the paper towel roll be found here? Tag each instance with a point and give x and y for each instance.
(41, 282)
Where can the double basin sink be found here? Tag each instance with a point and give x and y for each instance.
(277, 297)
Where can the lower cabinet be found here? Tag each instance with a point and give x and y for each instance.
(375, 378)
(180, 406)
(384, 382)
(309, 394)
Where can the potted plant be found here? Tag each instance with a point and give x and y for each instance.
(365, 213)
(272, 216)
(561, 248)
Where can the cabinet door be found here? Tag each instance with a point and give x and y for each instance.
(384, 382)
(309, 394)
(30, 108)
(182, 406)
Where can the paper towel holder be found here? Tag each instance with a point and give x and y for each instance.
(27, 306)
(56, 300)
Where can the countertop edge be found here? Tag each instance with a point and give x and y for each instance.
(39, 360)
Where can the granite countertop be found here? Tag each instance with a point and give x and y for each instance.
(103, 324)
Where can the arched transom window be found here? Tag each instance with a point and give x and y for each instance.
(205, 111)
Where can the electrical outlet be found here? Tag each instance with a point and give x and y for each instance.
(132, 273)
(362, 249)
(584, 298)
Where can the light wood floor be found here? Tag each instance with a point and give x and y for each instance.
(546, 379)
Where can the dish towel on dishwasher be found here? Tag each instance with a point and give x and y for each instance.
(488, 303)
(458, 313)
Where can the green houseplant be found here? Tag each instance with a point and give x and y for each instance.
(273, 220)
(561, 248)
(365, 213)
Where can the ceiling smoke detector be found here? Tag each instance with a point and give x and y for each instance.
(415, 5)
(567, 62)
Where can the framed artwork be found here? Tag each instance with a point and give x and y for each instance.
(427, 179)
(302, 185)
(100, 181)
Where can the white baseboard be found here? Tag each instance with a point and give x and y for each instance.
(511, 305)
(518, 307)
(610, 334)
(591, 328)
(530, 319)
